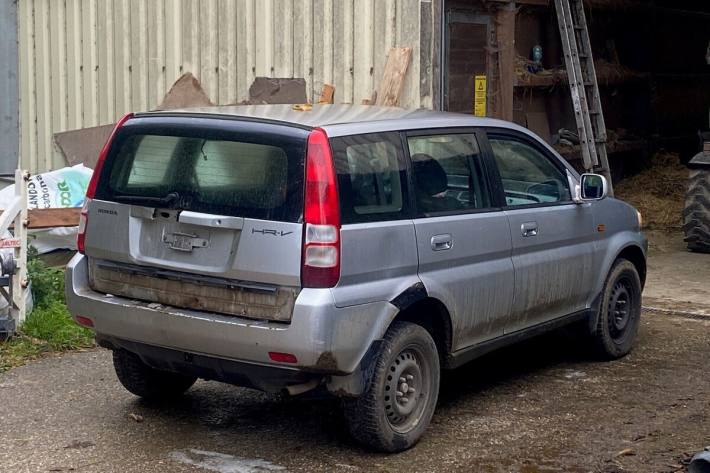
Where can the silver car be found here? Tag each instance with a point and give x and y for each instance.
(352, 250)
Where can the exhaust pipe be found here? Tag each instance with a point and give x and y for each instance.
(296, 389)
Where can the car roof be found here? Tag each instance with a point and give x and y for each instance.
(345, 119)
(340, 118)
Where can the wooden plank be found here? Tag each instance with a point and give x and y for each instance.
(393, 78)
(51, 218)
(326, 94)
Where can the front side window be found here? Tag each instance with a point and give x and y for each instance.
(448, 174)
(371, 177)
(529, 177)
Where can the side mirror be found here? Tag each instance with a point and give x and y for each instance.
(593, 187)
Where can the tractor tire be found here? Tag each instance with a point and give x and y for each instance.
(696, 215)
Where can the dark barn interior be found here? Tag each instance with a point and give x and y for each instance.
(650, 59)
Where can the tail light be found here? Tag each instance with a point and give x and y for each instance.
(83, 219)
(94, 183)
(321, 215)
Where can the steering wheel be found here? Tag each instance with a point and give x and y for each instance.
(523, 196)
(550, 188)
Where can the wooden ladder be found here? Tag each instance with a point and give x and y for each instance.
(583, 86)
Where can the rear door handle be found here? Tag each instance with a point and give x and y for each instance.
(441, 242)
(528, 229)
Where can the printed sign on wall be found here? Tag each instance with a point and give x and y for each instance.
(479, 97)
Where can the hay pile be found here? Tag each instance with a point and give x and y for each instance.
(658, 192)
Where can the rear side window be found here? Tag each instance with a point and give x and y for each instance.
(372, 179)
(208, 174)
(448, 173)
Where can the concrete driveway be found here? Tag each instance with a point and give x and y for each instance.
(541, 406)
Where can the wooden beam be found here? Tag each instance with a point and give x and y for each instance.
(393, 78)
(505, 33)
(52, 218)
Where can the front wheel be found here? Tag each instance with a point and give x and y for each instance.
(397, 406)
(619, 311)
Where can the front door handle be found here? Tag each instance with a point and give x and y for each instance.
(528, 229)
(441, 242)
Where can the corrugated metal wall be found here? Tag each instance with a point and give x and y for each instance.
(86, 62)
(9, 132)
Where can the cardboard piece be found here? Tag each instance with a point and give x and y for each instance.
(83, 145)
(326, 94)
(186, 92)
(267, 90)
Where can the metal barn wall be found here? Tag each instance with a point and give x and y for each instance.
(9, 131)
(87, 62)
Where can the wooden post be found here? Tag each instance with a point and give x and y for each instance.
(505, 34)
(19, 282)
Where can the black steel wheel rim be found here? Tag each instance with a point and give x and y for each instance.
(406, 390)
(621, 307)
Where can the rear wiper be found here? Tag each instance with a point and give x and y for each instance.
(166, 201)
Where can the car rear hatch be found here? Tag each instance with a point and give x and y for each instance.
(200, 212)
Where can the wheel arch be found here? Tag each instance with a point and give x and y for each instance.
(637, 257)
(417, 306)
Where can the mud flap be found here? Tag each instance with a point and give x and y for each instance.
(594, 314)
(354, 384)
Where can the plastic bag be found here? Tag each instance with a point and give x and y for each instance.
(62, 188)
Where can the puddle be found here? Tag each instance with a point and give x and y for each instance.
(222, 463)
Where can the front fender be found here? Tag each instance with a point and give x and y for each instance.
(621, 232)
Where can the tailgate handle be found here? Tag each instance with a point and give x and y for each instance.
(208, 220)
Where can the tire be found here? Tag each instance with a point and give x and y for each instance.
(696, 214)
(380, 418)
(619, 312)
(146, 382)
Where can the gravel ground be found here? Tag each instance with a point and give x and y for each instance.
(541, 406)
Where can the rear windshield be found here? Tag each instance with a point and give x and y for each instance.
(210, 174)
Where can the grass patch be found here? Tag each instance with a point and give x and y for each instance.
(49, 328)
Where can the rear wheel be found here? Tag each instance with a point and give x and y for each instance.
(696, 215)
(395, 410)
(619, 311)
(147, 382)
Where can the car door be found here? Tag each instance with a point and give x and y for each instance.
(552, 237)
(463, 239)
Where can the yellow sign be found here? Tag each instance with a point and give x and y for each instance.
(479, 97)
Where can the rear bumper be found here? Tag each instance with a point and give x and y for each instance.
(325, 339)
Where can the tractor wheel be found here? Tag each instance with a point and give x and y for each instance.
(696, 215)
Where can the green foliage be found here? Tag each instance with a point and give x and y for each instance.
(47, 282)
(51, 322)
(18, 350)
(49, 327)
